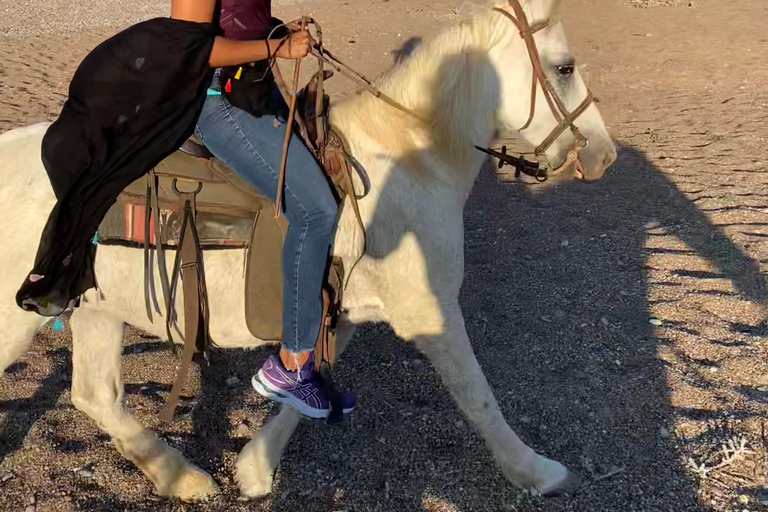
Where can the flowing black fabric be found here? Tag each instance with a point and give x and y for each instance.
(132, 102)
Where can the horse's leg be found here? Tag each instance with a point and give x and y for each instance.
(19, 329)
(451, 354)
(261, 456)
(97, 390)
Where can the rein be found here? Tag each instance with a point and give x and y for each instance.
(565, 119)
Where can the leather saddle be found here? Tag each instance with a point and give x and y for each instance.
(193, 202)
(230, 212)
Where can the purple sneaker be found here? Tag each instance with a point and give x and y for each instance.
(301, 390)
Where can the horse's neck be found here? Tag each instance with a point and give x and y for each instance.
(452, 89)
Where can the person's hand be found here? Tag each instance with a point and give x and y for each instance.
(296, 47)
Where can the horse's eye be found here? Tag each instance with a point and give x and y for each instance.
(565, 70)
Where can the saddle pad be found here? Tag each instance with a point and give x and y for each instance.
(124, 224)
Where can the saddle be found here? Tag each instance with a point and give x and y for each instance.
(192, 202)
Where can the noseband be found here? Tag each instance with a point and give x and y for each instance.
(564, 118)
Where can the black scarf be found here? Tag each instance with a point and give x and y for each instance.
(132, 102)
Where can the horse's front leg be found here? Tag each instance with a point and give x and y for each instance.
(451, 354)
(261, 456)
(97, 390)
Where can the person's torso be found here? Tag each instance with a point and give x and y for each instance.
(246, 19)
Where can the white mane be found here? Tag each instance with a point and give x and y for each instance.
(448, 81)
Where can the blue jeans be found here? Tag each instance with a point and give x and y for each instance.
(253, 147)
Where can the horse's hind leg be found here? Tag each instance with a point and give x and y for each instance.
(259, 458)
(97, 390)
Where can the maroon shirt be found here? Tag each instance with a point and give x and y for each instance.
(246, 19)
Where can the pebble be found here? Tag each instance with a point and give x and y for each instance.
(764, 389)
(654, 321)
(604, 321)
(5, 477)
(565, 243)
(459, 424)
(525, 419)
(743, 499)
(560, 314)
(547, 319)
(242, 430)
(232, 381)
(664, 433)
(31, 508)
(85, 473)
(417, 362)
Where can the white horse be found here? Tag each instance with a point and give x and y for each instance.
(469, 81)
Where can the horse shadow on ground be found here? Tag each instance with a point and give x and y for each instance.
(591, 395)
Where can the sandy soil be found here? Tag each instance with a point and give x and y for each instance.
(560, 287)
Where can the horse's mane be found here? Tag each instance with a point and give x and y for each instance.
(444, 80)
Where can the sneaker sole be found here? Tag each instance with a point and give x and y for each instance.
(269, 390)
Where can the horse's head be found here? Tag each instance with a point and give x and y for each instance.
(546, 63)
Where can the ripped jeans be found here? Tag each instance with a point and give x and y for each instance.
(253, 146)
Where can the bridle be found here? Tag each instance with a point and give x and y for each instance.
(564, 118)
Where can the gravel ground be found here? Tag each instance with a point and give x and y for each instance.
(564, 288)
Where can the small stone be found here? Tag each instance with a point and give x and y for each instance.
(31, 508)
(654, 321)
(560, 314)
(623, 293)
(743, 499)
(713, 369)
(664, 433)
(525, 419)
(417, 362)
(459, 424)
(5, 477)
(32, 500)
(547, 319)
(242, 430)
(85, 473)
(763, 389)
(233, 381)
(605, 321)
(565, 243)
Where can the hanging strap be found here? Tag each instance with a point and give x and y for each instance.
(187, 263)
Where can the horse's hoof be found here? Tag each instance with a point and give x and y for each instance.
(254, 478)
(194, 485)
(569, 484)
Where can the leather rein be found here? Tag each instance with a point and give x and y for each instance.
(565, 119)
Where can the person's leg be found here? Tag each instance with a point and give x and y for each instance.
(253, 147)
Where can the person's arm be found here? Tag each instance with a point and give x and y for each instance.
(230, 52)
